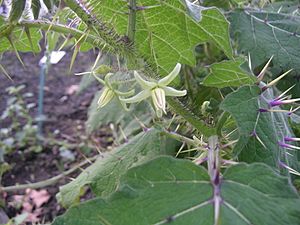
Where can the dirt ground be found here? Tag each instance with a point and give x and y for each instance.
(66, 113)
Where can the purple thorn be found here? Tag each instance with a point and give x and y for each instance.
(289, 139)
(275, 103)
(253, 134)
(263, 110)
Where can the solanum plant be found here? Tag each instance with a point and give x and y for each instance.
(220, 147)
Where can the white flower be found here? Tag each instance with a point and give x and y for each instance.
(157, 90)
(109, 92)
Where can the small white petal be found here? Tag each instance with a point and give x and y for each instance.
(168, 79)
(137, 98)
(173, 92)
(106, 96)
(159, 99)
(144, 83)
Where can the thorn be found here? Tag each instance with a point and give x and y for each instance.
(291, 139)
(263, 71)
(5, 72)
(177, 128)
(97, 60)
(15, 50)
(64, 44)
(249, 62)
(273, 110)
(293, 111)
(143, 126)
(199, 161)
(123, 134)
(254, 134)
(291, 170)
(229, 144)
(284, 145)
(76, 50)
(27, 31)
(180, 150)
(230, 162)
(283, 102)
(276, 80)
(287, 90)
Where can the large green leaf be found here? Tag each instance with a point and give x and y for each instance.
(264, 34)
(166, 34)
(103, 176)
(228, 74)
(268, 127)
(167, 190)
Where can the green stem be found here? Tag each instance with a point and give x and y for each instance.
(213, 166)
(196, 122)
(131, 20)
(92, 39)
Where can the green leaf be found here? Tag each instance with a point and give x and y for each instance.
(260, 132)
(19, 38)
(264, 34)
(228, 74)
(103, 176)
(288, 7)
(167, 190)
(165, 34)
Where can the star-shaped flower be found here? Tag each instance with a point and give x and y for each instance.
(157, 90)
(109, 92)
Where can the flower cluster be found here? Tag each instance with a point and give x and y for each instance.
(156, 90)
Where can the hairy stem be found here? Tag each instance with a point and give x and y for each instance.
(62, 29)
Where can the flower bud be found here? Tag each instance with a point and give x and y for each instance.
(106, 96)
(159, 100)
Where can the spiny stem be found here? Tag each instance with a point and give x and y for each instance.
(47, 182)
(108, 34)
(213, 164)
(131, 20)
(92, 39)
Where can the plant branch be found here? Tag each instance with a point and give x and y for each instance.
(196, 122)
(62, 29)
(131, 20)
(47, 182)
(213, 164)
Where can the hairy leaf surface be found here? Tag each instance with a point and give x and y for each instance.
(167, 190)
(165, 34)
(264, 34)
(260, 132)
(103, 176)
(228, 74)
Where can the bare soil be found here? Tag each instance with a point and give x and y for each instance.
(66, 114)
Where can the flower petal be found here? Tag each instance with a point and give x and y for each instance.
(159, 99)
(144, 83)
(106, 96)
(173, 92)
(168, 79)
(137, 98)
